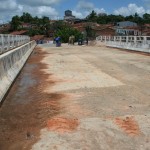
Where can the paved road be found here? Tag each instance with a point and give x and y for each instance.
(84, 98)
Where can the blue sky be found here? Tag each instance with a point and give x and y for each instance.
(108, 5)
(124, 7)
(81, 8)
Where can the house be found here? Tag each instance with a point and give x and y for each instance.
(4, 28)
(68, 16)
(127, 28)
(146, 33)
(128, 31)
(126, 24)
(145, 30)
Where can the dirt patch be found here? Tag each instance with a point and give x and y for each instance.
(129, 125)
(27, 108)
(62, 125)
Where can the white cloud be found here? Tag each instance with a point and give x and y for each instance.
(130, 10)
(7, 5)
(84, 8)
(9, 8)
(39, 2)
(99, 10)
(40, 11)
(78, 14)
(46, 11)
(84, 5)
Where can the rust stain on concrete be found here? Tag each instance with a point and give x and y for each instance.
(62, 125)
(128, 125)
(27, 107)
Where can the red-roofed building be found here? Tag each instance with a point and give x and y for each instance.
(37, 37)
(22, 32)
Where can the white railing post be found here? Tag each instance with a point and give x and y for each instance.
(127, 39)
(135, 39)
(2, 38)
(145, 41)
(8, 41)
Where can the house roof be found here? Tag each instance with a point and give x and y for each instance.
(37, 37)
(132, 27)
(147, 25)
(18, 32)
(125, 22)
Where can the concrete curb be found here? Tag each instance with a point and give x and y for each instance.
(11, 63)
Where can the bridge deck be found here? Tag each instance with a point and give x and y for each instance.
(73, 97)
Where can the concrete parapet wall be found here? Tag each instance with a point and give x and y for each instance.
(135, 43)
(130, 46)
(11, 63)
(8, 42)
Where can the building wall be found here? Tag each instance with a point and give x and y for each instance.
(121, 31)
(126, 24)
(68, 13)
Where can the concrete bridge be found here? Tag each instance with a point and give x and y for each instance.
(14, 51)
(135, 43)
(74, 97)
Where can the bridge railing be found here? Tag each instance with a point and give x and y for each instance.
(138, 43)
(11, 63)
(8, 42)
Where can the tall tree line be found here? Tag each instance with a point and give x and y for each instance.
(106, 19)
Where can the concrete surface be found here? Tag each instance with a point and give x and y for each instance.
(79, 97)
(10, 65)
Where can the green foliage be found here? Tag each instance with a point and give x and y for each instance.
(26, 18)
(66, 32)
(92, 16)
(105, 19)
(32, 32)
(15, 23)
(89, 32)
(42, 25)
(58, 25)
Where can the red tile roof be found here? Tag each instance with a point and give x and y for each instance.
(18, 32)
(37, 37)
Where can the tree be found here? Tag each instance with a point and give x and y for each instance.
(89, 32)
(15, 23)
(92, 16)
(26, 18)
(66, 32)
(129, 18)
(58, 25)
(146, 18)
(45, 25)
